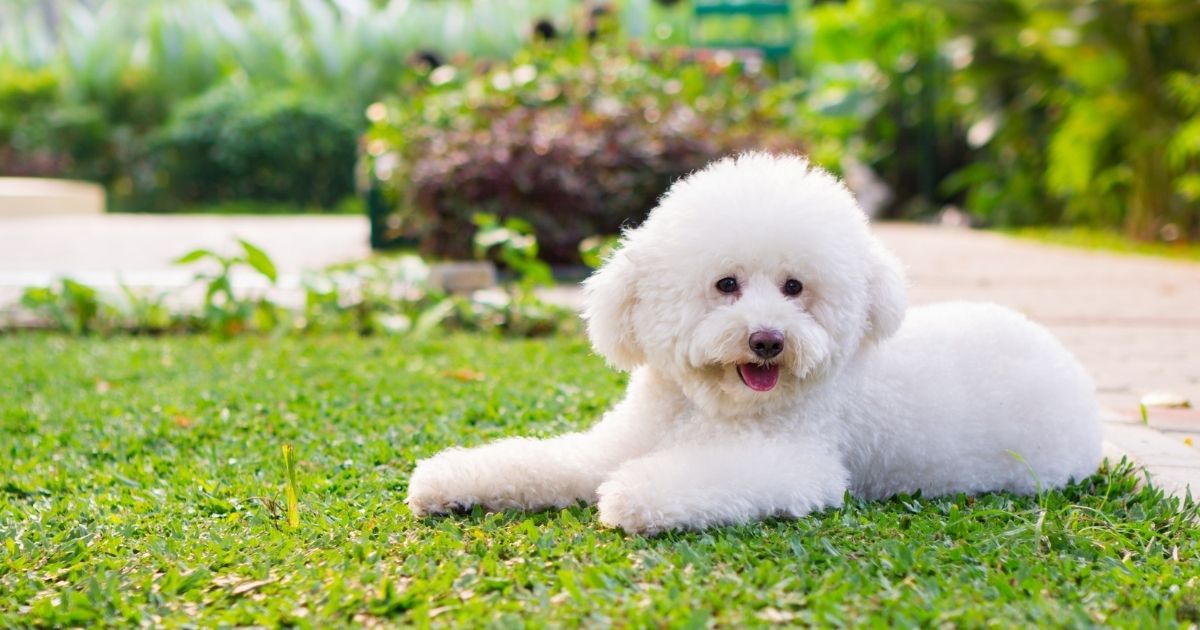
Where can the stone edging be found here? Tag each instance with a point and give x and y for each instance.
(39, 196)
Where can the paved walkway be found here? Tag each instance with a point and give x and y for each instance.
(1133, 321)
(137, 249)
(144, 243)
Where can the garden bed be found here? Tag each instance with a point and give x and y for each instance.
(145, 484)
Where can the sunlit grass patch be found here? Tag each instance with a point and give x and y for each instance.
(144, 482)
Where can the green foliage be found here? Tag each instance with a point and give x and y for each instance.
(515, 247)
(42, 136)
(173, 50)
(1183, 151)
(386, 295)
(864, 64)
(1020, 112)
(110, 74)
(394, 295)
(575, 140)
(1078, 113)
(233, 144)
(224, 311)
(292, 494)
(143, 486)
(72, 306)
(141, 311)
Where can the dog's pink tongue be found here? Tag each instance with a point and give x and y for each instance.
(760, 378)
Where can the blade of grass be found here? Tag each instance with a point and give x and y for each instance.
(293, 503)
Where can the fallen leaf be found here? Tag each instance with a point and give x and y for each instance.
(774, 615)
(226, 580)
(246, 587)
(1166, 399)
(182, 420)
(1187, 440)
(464, 375)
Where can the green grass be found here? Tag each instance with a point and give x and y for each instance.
(1107, 240)
(143, 481)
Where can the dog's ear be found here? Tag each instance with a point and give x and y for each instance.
(609, 297)
(888, 294)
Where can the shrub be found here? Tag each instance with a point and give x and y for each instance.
(42, 136)
(576, 143)
(235, 144)
(109, 74)
(1020, 112)
(570, 174)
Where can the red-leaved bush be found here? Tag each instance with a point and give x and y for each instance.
(575, 145)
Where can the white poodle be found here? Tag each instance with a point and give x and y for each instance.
(774, 368)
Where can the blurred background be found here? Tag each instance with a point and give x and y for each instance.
(267, 168)
(573, 116)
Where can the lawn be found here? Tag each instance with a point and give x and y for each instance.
(143, 482)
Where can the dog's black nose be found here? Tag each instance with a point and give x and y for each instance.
(766, 343)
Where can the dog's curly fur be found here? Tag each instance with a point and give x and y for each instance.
(865, 395)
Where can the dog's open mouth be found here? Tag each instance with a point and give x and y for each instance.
(760, 378)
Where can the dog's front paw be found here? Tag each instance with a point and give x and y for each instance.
(437, 486)
(622, 507)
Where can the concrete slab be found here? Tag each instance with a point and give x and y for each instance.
(40, 197)
(137, 249)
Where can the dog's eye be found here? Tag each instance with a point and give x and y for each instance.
(727, 285)
(793, 287)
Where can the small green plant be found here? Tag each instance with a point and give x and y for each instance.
(514, 245)
(224, 312)
(72, 306)
(384, 295)
(391, 295)
(293, 501)
(143, 311)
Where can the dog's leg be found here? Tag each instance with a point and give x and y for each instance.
(696, 486)
(524, 473)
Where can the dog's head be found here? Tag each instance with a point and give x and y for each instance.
(751, 279)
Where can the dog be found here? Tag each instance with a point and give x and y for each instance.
(774, 367)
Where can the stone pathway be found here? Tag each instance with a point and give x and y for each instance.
(143, 243)
(1133, 321)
